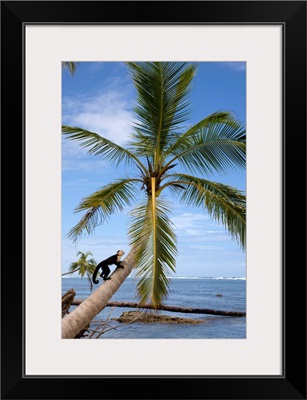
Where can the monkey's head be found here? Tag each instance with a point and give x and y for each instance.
(120, 253)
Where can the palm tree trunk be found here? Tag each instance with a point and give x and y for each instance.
(185, 310)
(79, 318)
(71, 272)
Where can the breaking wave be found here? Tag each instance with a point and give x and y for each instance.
(234, 278)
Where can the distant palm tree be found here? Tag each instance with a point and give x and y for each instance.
(159, 142)
(70, 66)
(83, 266)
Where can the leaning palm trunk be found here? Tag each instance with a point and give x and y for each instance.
(79, 318)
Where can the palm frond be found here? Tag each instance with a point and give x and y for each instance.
(74, 267)
(162, 89)
(154, 240)
(83, 256)
(218, 117)
(70, 66)
(224, 204)
(100, 205)
(216, 145)
(100, 146)
(83, 266)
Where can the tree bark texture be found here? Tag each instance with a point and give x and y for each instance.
(80, 317)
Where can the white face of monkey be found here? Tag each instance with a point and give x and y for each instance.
(120, 253)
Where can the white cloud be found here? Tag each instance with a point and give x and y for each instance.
(108, 113)
(76, 182)
(206, 248)
(188, 221)
(84, 165)
(195, 224)
(236, 66)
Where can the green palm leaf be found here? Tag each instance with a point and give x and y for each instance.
(70, 66)
(224, 204)
(100, 205)
(216, 144)
(152, 235)
(162, 105)
(100, 146)
(219, 117)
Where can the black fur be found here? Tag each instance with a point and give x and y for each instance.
(104, 266)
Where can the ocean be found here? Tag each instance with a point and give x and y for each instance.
(227, 294)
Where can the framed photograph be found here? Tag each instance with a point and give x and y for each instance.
(261, 48)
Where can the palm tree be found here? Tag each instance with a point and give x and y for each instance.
(159, 143)
(70, 66)
(83, 266)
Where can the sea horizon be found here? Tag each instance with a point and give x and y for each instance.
(216, 293)
(178, 277)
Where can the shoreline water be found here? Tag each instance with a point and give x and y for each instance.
(184, 292)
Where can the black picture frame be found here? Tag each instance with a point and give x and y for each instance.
(292, 16)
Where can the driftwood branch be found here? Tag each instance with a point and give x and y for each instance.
(77, 302)
(67, 301)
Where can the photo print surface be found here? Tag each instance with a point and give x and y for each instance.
(154, 200)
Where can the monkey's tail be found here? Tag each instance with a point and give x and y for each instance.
(95, 275)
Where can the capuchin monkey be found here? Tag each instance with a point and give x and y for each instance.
(104, 266)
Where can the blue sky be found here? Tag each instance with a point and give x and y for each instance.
(99, 97)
